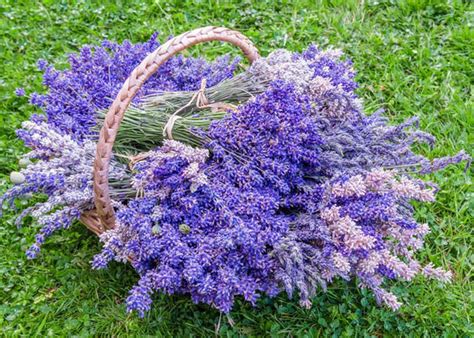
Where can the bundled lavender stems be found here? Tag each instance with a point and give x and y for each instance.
(287, 186)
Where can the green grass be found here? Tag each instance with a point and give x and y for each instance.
(413, 57)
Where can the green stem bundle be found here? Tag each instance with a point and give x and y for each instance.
(143, 124)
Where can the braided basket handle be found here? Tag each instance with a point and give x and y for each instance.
(128, 91)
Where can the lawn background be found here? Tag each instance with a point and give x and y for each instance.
(413, 58)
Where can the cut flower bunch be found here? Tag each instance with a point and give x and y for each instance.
(223, 184)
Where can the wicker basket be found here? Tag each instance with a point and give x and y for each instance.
(102, 218)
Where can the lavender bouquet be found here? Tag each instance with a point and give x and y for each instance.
(225, 184)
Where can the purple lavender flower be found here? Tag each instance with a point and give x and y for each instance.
(60, 168)
(97, 73)
(367, 232)
(291, 190)
(20, 92)
(287, 198)
(211, 260)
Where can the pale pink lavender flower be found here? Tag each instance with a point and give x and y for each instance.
(437, 273)
(399, 268)
(387, 298)
(354, 186)
(340, 262)
(369, 264)
(409, 188)
(378, 178)
(331, 214)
